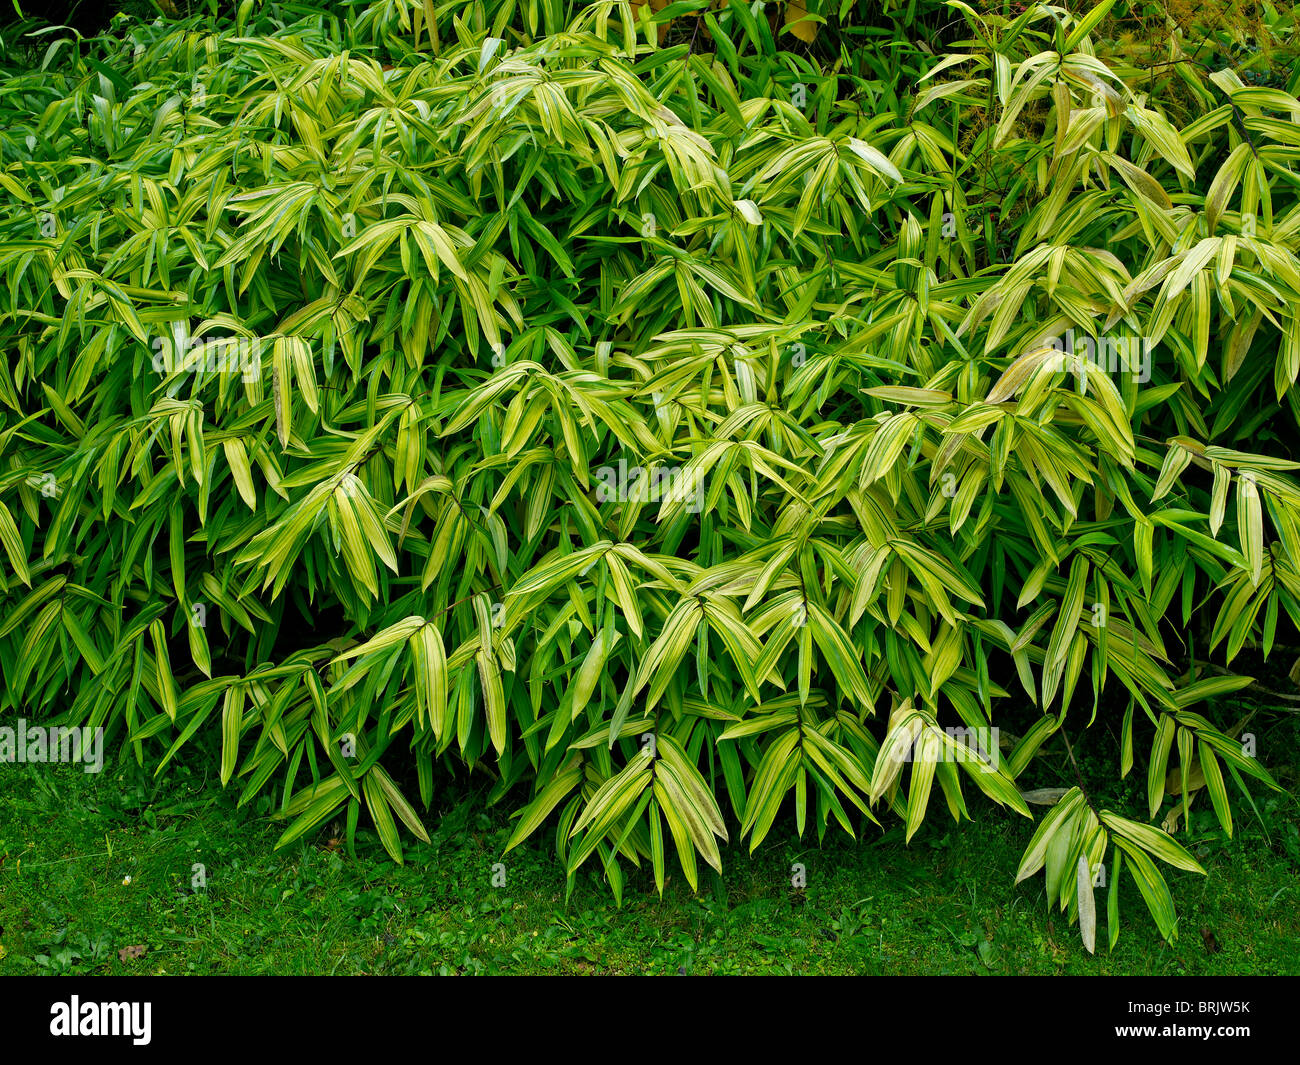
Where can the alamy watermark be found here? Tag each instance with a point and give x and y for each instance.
(241, 355)
(979, 745)
(1112, 355)
(636, 484)
(55, 743)
(77, 1018)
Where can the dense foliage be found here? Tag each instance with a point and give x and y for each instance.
(677, 435)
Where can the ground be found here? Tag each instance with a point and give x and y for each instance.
(945, 904)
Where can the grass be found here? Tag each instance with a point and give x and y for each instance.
(946, 904)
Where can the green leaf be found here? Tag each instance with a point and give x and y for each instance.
(1151, 840)
(1153, 887)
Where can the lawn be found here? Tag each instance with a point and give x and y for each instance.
(94, 865)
